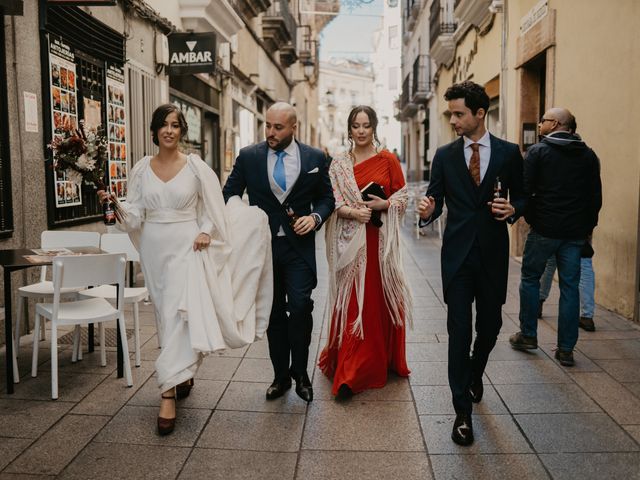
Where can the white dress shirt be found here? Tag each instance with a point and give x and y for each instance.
(485, 152)
(291, 172)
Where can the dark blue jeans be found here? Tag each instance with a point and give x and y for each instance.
(537, 251)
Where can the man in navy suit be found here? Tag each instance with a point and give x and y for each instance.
(290, 182)
(475, 246)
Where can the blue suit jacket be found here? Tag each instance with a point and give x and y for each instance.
(468, 215)
(312, 192)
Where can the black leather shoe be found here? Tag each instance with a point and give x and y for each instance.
(519, 341)
(278, 389)
(587, 324)
(303, 386)
(344, 393)
(462, 433)
(476, 390)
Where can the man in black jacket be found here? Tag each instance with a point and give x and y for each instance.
(475, 246)
(562, 181)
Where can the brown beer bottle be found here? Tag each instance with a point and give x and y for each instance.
(108, 210)
(497, 191)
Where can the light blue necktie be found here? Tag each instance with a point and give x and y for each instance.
(279, 174)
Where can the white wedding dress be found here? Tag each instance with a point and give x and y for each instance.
(208, 300)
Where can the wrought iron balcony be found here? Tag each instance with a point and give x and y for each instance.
(279, 31)
(443, 26)
(406, 106)
(252, 8)
(420, 85)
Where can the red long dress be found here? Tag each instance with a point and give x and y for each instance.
(363, 363)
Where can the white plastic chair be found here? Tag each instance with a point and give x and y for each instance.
(120, 243)
(79, 271)
(43, 290)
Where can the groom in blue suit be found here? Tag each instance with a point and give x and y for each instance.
(290, 182)
(475, 248)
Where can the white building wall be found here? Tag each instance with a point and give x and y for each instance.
(342, 85)
(387, 66)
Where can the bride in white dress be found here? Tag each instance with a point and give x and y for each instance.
(207, 267)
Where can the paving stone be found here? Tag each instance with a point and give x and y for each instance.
(493, 434)
(421, 338)
(575, 432)
(321, 465)
(627, 370)
(427, 352)
(429, 301)
(525, 371)
(239, 465)
(232, 352)
(205, 394)
(10, 448)
(258, 350)
(29, 418)
(503, 351)
(428, 373)
(111, 460)
(610, 349)
(437, 400)
(108, 397)
(583, 363)
(495, 467)
(634, 431)
(634, 388)
(423, 326)
(362, 425)
(138, 425)
(218, 368)
(72, 387)
(254, 370)
(546, 398)
(272, 432)
(24, 476)
(396, 389)
(429, 314)
(58, 446)
(249, 396)
(612, 396)
(592, 466)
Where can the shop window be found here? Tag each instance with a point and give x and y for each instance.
(86, 82)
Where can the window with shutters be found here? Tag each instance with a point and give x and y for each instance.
(143, 99)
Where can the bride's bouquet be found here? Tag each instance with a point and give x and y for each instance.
(83, 157)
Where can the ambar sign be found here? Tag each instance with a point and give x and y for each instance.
(192, 53)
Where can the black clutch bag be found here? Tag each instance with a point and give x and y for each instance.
(374, 189)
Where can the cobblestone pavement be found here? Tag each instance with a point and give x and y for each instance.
(537, 420)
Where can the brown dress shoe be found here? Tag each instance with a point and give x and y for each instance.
(166, 425)
(587, 324)
(184, 389)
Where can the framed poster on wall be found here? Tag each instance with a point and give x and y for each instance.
(117, 131)
(64, 112)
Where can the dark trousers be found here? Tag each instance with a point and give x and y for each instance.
(470, 282)
(291, 323)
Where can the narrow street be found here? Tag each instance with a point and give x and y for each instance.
(537, 420)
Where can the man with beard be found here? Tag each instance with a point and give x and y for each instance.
(467, 174)
(562, 181)
(290, 182)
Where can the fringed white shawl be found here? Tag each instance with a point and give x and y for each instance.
(347, 255)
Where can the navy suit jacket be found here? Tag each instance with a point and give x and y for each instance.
(312, 192)
(469, 217)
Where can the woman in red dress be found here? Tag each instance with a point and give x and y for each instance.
(369, 301)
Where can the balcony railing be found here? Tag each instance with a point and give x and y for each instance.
(279, 30)
(251, 8)
(420, 84)
(441, 20)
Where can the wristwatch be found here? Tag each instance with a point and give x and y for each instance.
(317, 218)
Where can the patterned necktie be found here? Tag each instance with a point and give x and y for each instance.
(279, 174)
(474, 163)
